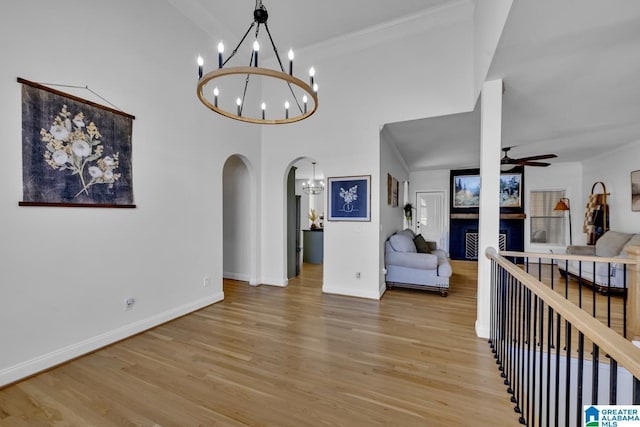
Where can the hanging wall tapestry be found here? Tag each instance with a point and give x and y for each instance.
(74, 152)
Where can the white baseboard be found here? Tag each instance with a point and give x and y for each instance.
(275, 282)
(383, 288)
(337, 290)
(236, 276)
(482, 332)
(56, 357)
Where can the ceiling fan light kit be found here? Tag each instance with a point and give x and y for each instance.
(304, 96)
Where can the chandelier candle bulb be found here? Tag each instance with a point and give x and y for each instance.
(312, 74)
(256, 48)
(304, 100)
(200, 64)
(220, 52)
(291, 62)
(239, 104)
(315, 87)
(286, 110)
(216, 92)
(263, 107)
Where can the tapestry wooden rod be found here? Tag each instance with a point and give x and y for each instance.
(75, 205)
(75, 98)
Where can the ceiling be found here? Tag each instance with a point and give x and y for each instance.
(298, 23)
(571, 71)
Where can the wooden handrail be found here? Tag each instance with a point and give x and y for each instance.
(610, 342)
(568, 257)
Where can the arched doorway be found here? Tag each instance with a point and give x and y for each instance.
(304, 236)
(236, 211)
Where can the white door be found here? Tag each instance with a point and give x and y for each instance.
(430, 221)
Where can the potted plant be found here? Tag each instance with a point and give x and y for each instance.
(408, 212)
(313, 216)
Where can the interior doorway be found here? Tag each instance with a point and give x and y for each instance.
(305, 217)
(431, 217)
(236, 209)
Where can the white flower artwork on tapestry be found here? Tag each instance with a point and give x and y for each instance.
(74, 146)
(349, 196)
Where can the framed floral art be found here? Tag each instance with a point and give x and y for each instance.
(349, 198)
(74, 152)
(635, 191)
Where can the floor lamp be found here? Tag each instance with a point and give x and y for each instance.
(565, 206)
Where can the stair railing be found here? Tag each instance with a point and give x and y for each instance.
(554, 356)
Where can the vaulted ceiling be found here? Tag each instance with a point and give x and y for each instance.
(571, 70)
(299, 23)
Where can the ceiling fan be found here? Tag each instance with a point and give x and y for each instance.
(508, 163)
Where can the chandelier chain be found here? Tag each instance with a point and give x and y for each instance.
(246, 81)
(239, 44)
(275, 49)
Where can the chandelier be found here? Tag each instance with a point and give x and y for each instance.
(313, 186)
(228, 90)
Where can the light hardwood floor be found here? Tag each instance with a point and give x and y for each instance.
(269, 356)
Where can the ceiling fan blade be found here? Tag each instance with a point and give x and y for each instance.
(540, 157)
(521, 163)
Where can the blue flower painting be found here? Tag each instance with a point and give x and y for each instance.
(350, 198)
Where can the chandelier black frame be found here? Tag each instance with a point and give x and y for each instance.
(260, 17)
(313, 186)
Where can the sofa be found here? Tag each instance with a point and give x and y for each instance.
(412, 262)
(612, 244)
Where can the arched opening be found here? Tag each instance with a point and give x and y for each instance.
(305, 218)
(237, 207)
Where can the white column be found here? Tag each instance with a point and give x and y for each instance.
(489, 222)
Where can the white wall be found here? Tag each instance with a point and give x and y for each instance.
(411, 70)
(391, 218)
(489, 17)
(614, 168)
(436, 180)
(559, 176)
(308, 202)
(61, 297)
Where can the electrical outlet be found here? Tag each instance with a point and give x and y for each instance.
(357, 274)
(206, 281)
(128, 303)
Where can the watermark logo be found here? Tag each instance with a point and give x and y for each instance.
(591, 416)
(611, 416)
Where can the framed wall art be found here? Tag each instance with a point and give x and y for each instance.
(75, 152)
(635, 191)
(349, 198)
(395, 192)
(510, 190)
(466, 191)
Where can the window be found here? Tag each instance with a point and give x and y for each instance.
(547, 225)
